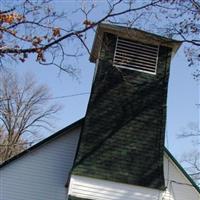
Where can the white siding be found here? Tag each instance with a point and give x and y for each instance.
(91, 188)
(42, 173)
(178, 186)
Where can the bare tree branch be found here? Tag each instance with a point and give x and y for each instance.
(17, 46)
(23, 111)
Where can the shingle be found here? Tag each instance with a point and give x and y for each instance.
(122, 138)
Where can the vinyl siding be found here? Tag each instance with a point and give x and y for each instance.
(90, 188)
(42, 173)
(178, 186)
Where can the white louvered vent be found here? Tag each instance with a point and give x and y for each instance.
(136, 56)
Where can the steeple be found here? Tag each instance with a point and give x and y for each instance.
(122, 139)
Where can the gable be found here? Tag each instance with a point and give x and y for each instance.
(179, 184)
(65, 130)
(41, 173)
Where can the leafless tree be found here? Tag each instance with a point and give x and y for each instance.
(191, 159)
(192, 132)
(40, 28)
(180, 19)
(14, 149)
(34, 27)
(24, 109)
(191, 162)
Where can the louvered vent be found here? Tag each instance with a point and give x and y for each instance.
(136, 56)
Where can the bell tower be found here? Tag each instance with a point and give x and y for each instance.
(122, 139)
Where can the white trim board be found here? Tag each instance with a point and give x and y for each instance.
(91, 188)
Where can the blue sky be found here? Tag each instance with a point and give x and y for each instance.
(182, 93)
(181, 103)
